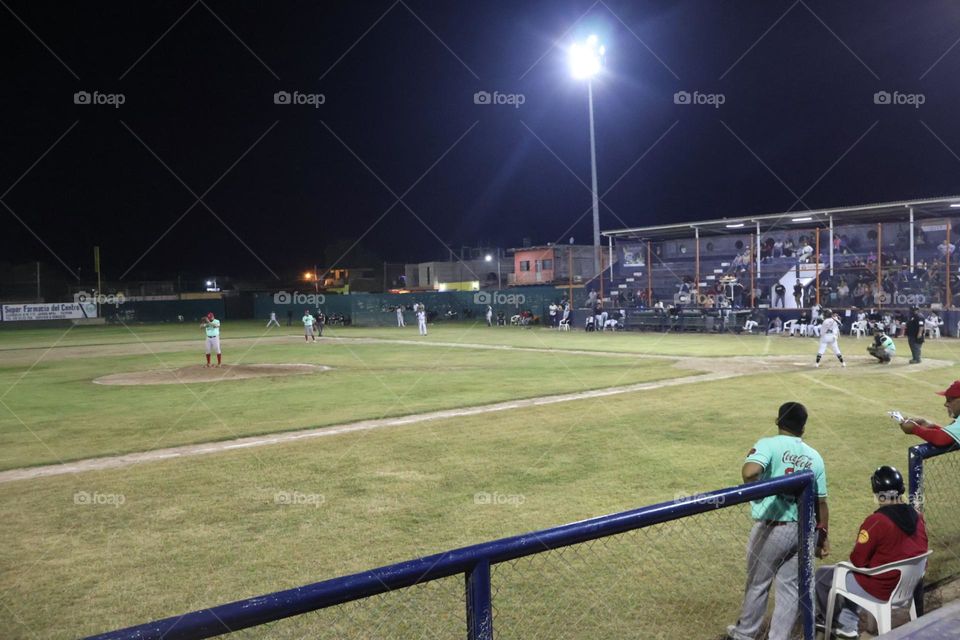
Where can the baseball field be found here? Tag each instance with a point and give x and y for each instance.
(136, 484)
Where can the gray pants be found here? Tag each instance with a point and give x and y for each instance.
(848, 617)
(771, 554)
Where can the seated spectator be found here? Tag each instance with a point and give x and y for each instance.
(946, 248)
(895, 531)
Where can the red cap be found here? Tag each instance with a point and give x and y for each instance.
(953, 391)
(210, 315)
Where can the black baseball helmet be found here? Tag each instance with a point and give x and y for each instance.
(886, 479)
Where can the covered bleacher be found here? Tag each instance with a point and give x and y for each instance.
(889, 255)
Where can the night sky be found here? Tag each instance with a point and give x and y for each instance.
(286, 186)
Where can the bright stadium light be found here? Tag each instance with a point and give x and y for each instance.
(488, 258)
(955, 205)
(807, 219)
(586, 61)
(586, 58)
(735, 226)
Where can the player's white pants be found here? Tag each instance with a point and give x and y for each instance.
(750, 326)
(272, 321)
(423, 327)
(400, 322)
(213, 344)
(307, 331)
(829, 340)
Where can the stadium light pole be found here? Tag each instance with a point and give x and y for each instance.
(586, 61)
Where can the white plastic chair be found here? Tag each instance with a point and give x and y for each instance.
(911, 572)
(858, 328)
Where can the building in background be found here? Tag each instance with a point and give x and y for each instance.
(558, 264)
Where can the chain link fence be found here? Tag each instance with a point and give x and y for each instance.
(678, 579)
(935, 485)
(670, 570)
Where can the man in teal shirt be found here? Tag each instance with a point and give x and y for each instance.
(774, 539)
(883, 347)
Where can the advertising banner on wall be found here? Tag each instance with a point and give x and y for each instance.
(48, 311)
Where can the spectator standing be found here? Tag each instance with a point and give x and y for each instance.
(779, 291)
(798, 294)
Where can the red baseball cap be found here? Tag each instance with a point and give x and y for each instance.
(210, 315)
(953, 391)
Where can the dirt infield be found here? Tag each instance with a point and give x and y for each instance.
(200, 373)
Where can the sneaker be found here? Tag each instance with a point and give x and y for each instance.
(843, 633)
(843, 364)
(817, 365)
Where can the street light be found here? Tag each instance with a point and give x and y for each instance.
(586, 61)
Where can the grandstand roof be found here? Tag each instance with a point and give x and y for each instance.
(898, 211)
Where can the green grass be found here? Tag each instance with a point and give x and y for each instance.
(200, 531)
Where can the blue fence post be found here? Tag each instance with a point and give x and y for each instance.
(915, 472)
(479, 602)
(808, 523)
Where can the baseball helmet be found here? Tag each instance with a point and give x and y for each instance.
(827, 313)
(886, 479)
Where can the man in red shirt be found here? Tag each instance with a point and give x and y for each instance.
(895, 531)
(933, 433)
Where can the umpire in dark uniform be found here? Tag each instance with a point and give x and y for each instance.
(915, 334)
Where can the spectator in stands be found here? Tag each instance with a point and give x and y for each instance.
(798, 294)
(843, 291)
(772, 548)
(934, 433)
(779, 291)
(805, 253)
(946, 248)
(777, 248)
(895, 531)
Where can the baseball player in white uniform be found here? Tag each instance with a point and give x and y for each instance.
(829, 331)
(211, 327)
(273, 320)
(400, 322)
(422, 320)
(489, 316)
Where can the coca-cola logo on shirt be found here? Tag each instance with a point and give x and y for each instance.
(797, 461)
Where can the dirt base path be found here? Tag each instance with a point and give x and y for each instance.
(200, 373)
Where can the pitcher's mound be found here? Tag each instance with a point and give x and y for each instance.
(200, 373)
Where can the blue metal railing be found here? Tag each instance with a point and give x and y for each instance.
(474, 563)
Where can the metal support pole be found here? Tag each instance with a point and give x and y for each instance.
(596, 198)
(911, 241)
(816, 269)
(610, 256)
(831, 246)
(915, 481)
(805, 556)
(38, 281)
(753, 287)
(758, 249)
(479, 606)
(649, 276)
(696, 284)
(879, 294)
(949, 300)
